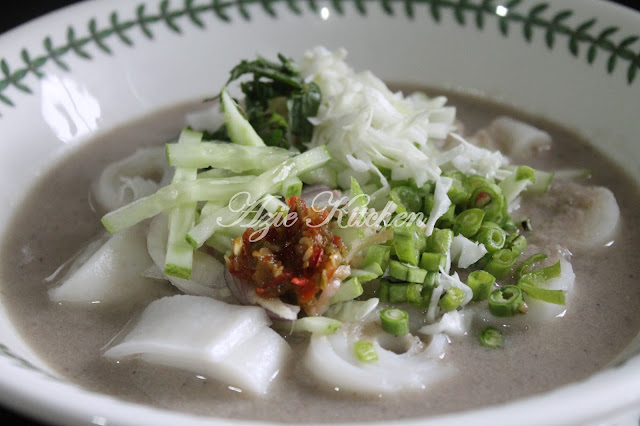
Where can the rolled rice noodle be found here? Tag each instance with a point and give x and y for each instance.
(514, 137)
(136, 176)
(207, 275)
(109, 271)
(404, 363)
(229, 343)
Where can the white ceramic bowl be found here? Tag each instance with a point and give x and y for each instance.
(79, 72)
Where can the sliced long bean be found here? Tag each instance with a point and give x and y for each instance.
(395, 321)
(507, 301)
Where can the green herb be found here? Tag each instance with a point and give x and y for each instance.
(278, 102)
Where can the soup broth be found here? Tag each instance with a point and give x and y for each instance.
(56, 220)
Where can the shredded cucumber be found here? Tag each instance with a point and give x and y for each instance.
(349, 290)
(222, 155)
(316, 325)
(171, 196)
(291, 186)
(269, 182)
(179, 258)
(239, 129)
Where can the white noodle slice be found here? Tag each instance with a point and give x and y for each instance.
(207, 275)
(514, 137)
(229, 343)
(112, 274)
(155, 273)
(136, 176)
(438, 346)
(587, 217)
(455, 323)
(331, 360)
(599, 215)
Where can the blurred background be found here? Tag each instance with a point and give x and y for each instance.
(23, 11)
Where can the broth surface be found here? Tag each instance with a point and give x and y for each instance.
(56, 220)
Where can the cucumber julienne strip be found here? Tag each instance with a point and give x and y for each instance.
(291, 186)
(269, 182)
(223, 155)
(179, 258)
(239, 129)
(171, 196)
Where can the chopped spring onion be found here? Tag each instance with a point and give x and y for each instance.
(377, 254)
(440, 241)
(525, 173)
(488, 197)
(452, 299)
(397, 292)
(468, 222)
(501, 262)
(459, 192)
(530, 281)
(365, 351)
(407, 199)
(368, 273)
(541, 275)
(408, 242)
(491, 338)
(517, 243)
(550, 296)
(404, 272)
(414, 294)
(527, 266)
(492, 236)
(395, 321)
(433, 262)
(507, 301)
(481, 282)
(448, 218)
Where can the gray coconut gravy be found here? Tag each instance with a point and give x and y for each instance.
(599, 323)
